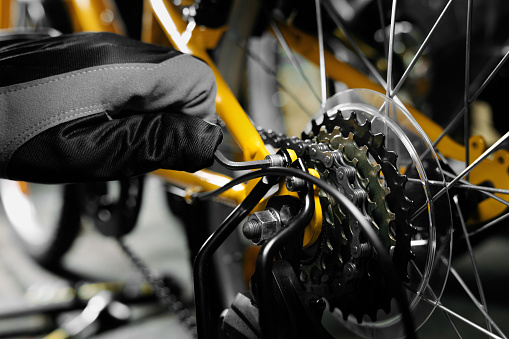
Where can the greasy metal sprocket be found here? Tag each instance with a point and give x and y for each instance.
(342, 266)
(397, 199)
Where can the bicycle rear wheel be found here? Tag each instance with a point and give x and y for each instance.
(446, 207)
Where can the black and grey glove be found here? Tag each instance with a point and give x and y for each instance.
(98, 106)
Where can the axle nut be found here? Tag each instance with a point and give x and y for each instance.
(262, 225)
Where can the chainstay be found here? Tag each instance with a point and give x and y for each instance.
(163, 293)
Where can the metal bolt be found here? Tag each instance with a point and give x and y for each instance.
(262, 225)
(290, 183)
(294, 184)
(355, 249)
(252, 230)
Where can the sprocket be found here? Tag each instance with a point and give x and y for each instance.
(342, 266)
(399, 204)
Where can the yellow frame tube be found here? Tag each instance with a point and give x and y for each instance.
(5, 14)
(227, 106)
(205, 180)
(95, 16)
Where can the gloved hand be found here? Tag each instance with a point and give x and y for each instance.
(98, 106)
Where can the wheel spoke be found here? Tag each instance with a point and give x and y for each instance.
(493, 73)
(433, 295)
(457, 118)
(382, 24)
(466, 117)
(480, 306)
(463, 173)
(293, 59)
(468, 186)
(267, 69)
(339, 23)
(447, 312)
(489, 225)
(456, 315)
(472, 260)
(390, 55)
(488, 191)
(417, 56)
(323, 79)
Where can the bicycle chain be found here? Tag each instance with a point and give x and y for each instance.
(344, 268)
(163, 293)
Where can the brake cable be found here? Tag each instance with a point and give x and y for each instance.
(271, 160)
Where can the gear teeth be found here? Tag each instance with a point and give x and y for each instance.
(367, 124)
(391, 157)
(399, 180)
(387, 204)
(314, 129)
(339, 213)
(387, 306)
(323, 136)
(364, 182)
(353, 116)
(344, 313)
(378, 141)
(371, 206)
(376, 190)
(387, 190)
(326, 118)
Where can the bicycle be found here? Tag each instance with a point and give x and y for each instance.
(429, 240)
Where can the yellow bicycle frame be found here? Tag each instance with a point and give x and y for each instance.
(163, 24)
(5, 14)
(163, 14)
